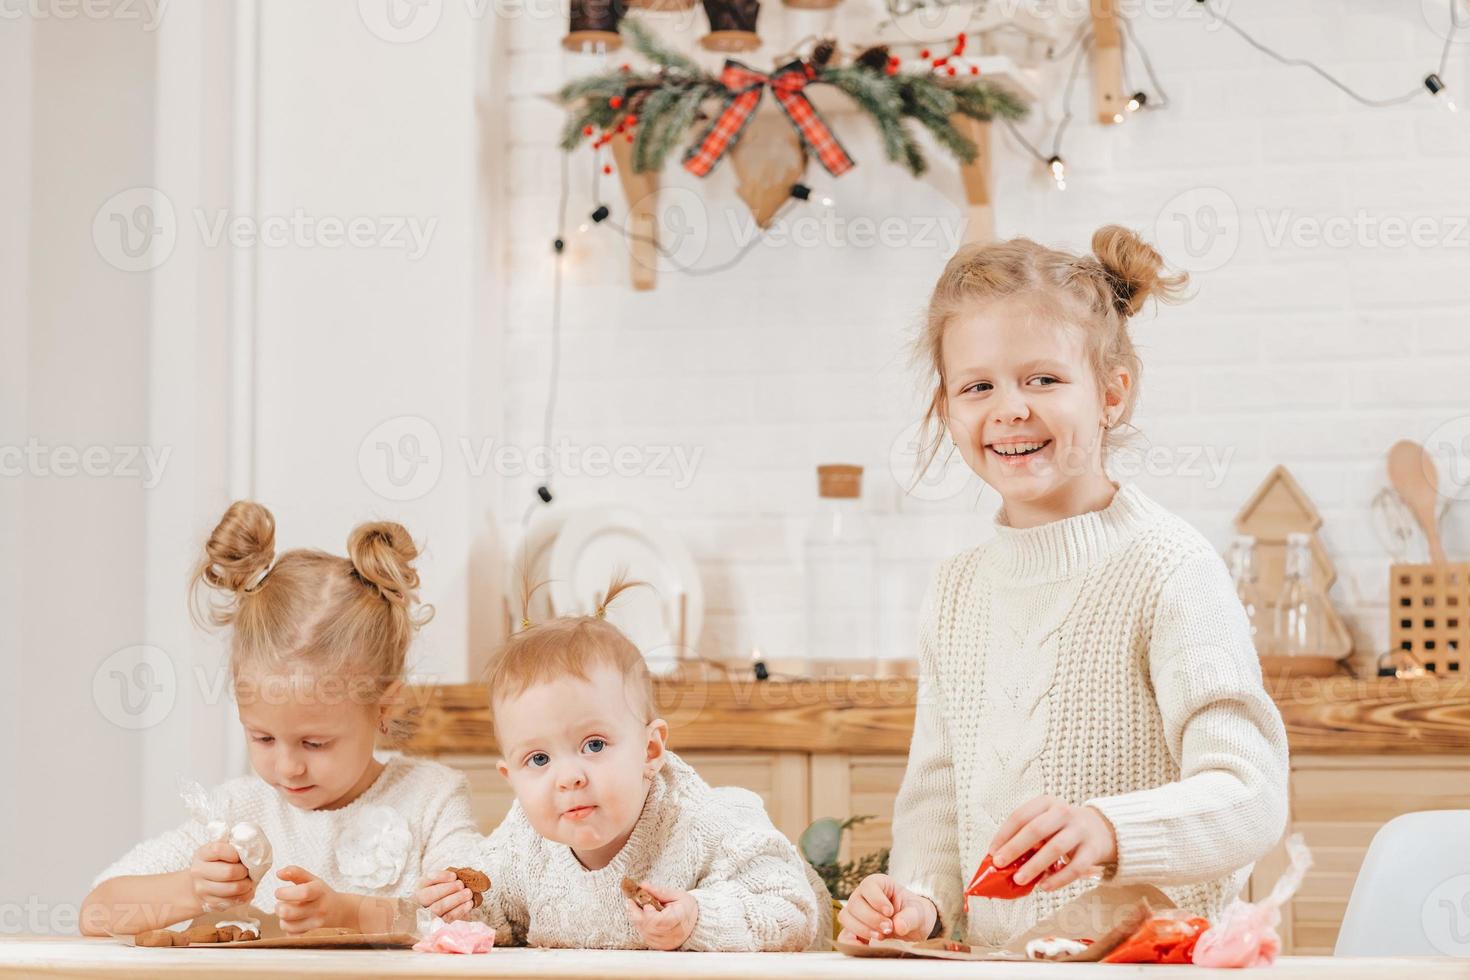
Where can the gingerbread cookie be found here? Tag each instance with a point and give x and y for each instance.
(641, 896)
(223, 932)
(476, 881)
(160, 937)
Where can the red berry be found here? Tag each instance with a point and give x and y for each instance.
(974, 69)
(630, 137)
(632, 121)
(940, 62)
(607, 168)
(950, 69)
(616, 101)
(924, 54)
(586, 130)
(623, 68)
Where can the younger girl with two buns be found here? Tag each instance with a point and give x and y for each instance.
(317, 649)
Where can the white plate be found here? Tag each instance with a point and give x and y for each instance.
(595, 544)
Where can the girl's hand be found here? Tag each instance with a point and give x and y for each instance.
(1079, 834)
(446, 896)
(881, 908)
(308, 903)
(218, 878)
(670, 928)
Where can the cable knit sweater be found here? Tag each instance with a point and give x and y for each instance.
(755, 892)
(1103, 659)
(412, 821)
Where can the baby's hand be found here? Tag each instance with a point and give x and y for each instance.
(445, 895)
(218, 877)
(881, 908)
(308, 903)
(669, 928)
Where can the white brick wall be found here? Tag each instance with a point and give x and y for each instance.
(1292, 351)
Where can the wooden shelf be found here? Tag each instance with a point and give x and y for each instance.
(1323, 715)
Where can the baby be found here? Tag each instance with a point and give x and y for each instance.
(600, 800)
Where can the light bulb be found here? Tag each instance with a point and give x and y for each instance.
(1440, 92)
(1058, 172)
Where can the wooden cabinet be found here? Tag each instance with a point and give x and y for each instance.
(1338, 802)
(858, 785)
(780, 779)
(1363, 752)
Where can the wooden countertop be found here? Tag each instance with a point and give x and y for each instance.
(78, 958)
(1333, 716)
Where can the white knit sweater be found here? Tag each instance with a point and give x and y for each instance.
(755, 892)
(413, 820)
(1103, 659)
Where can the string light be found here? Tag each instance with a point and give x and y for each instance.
(1437, 89)
(1432, 82)
(1058, 172)
(602, 215)
(804, 193)
(559, 249)
(1053, 161)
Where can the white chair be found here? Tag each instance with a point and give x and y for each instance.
(1412, 896)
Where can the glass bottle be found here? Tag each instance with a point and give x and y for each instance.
(1248, 589)
(841, 571)
(1300, 617)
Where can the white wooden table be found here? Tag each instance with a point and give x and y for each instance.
(71, 957)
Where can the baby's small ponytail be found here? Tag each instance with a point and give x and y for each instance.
(1134, 270)
(620, 583)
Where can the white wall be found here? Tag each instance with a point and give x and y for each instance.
(15, 119)
(1318, 357)
(257, 365)
(73, 543)
(374, 340)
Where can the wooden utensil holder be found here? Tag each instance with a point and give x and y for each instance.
(1429, 615)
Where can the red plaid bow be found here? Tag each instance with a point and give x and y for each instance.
(746, 85)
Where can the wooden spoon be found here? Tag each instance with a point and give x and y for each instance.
(1413, 474)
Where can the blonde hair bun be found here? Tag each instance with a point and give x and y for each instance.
(1134, 269)
(382, 553)
(240, 548)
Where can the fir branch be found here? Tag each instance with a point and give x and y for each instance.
(933, 106)
(984, 101)
(880, 97)
(680, 118)
(843, 876)
(923, 96)
(913, 157)
(646, 43)
(595, 113)
(650, 137)
(595, 87)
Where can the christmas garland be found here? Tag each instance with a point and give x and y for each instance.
(655, 109)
